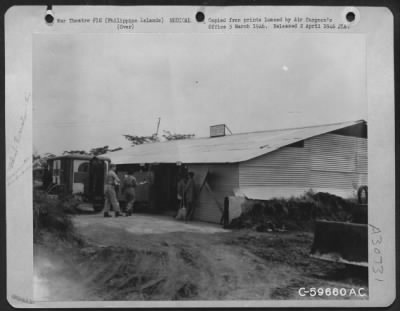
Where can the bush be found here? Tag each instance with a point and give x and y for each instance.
(295, 213)
(49, 214)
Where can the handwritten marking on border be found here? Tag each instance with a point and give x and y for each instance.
(377, 256)
(21, 170)
(17, 138)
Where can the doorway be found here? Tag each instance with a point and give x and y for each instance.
(166, 178)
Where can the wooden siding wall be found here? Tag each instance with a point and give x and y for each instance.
(328, 162)
(222, 179)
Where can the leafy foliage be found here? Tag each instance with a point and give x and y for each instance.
(138, 140)
(39, 161)
(49, 214)
(168, 135)
(102, 150)
(93, 152)
(295, 213)
(174, 136)
(76, 152)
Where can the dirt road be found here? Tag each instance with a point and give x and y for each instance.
(157, 258)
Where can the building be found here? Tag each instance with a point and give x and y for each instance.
(260, 165)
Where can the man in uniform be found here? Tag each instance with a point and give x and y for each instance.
(189, 196)
(129, 190)
(112, 181)
(180, 191)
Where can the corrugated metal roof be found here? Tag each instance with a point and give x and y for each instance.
(79, 157)
(226, 149)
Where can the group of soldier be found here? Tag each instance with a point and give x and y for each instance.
(111, 199)
(185, 193)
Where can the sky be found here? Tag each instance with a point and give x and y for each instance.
(90, 89)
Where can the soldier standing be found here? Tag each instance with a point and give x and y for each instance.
(189, 196)
(129, 190)
(112, 181)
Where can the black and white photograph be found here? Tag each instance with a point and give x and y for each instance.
(202, 165)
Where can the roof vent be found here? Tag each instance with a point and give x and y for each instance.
(217, 130)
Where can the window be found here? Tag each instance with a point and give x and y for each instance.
(83, 167)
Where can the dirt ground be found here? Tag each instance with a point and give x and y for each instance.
(144, 257)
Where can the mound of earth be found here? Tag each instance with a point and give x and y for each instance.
(297, 213)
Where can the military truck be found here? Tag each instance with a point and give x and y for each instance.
(79, 175)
